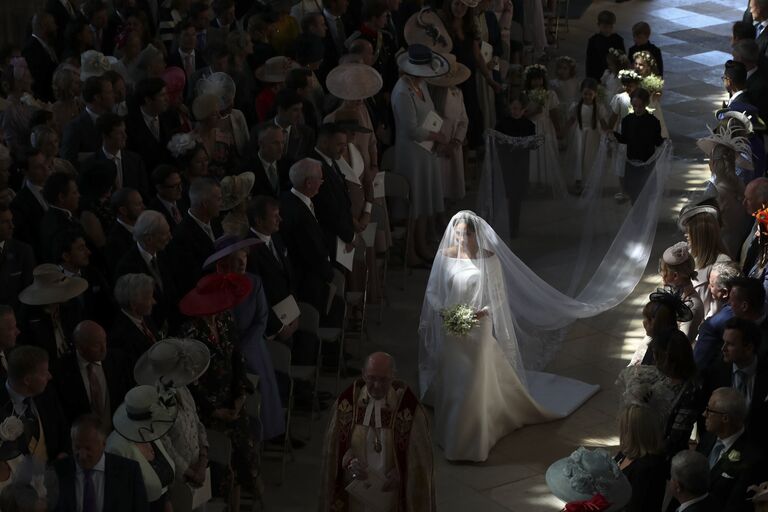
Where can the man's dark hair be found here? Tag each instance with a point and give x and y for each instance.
(89, 421)
(107, 122)
(642, 94)
(148, 89)
(120, 198)
(752, 291)
(161, 173)
(286, 98)
(736, 72)
(92, 7)
(113, 76)
(373, 9)
(750, 332)
(606, 18)
(219, 6)
(24, 360)
(742, 30)
(183, 25)
(56, 184)
(64, 241)
(259, 206)
(92, 87)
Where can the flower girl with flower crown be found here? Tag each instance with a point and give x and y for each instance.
(566, 86)
(646, 67)
(543, 111)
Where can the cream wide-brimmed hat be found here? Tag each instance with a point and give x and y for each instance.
(427, 28)
(235, 189)
(145, 415)
(457, 74)
(174, 362)
(94, 63)
(422, 62)
(275, 70)
(354, 81)
(51, 286)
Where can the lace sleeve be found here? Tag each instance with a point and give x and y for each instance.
(530, 142)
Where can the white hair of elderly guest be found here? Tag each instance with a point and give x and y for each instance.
(691, 471)
(303, 170)
(201, 190)
(130, 287)
(148, 224)
(725, 271)
(731, 402)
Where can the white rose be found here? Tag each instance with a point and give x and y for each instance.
(11, 428)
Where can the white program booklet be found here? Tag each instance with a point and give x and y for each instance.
(432, 123)
(287, 310)
(379, 190)
(370, 493)
(369, 234)
(343, 257)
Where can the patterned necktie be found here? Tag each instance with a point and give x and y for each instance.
(189, 66)
(97, 397)
(31, 419)
(119, 167)
(176, 214)
(89, 491)
(155, 269)
(714, 455)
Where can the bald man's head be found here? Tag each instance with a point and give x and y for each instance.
(378, 374)
(90, 341)
(756, 195)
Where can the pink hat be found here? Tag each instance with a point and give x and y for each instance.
(175, 79)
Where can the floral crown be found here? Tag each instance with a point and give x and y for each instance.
(615, 52)
(629, 75)
(647, 57)
(535, 69)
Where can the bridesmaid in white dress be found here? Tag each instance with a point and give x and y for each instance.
(476, 382)
(589, 120)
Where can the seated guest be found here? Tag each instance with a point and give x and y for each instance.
(8, 334)
(148, 127)
(220, 392)
(677, 269)
(133, 330)
(127, 205)
(642, 458)
(130, 171)
(148, 256)
(719, 276)
(140, 423)
(74, 258)
(734, 461)
(304, 237)
(193, 238)
(299, 138)
(168, 187)
(176, 363)
(97, 181)
(263, 161)
(27, 396)
(251, 322)
(29, 206)
(63, 198)
(93, 379)
(688, 482)
(46, 319)
(742, 369)
(16, 260)
(94, 480)
(81, 135)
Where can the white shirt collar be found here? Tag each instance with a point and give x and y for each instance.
(94, 115)
(264, 163)
(304, 199)
(110, 156)
(168, 205)
(751, 72)
(692, 502)
(127, 227)
(135, 319)
(729, 441)
(69, 213)
(185, 54)
(286, 128)
(45, 45)
(205, 226)
(83, 363)
(328, 160)
(261, 236)
(148, 118)
(144, 254)
(734, 96)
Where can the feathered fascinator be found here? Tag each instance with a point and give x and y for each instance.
(728, 134)
(220, 85)
(673, 300)
(181, 143)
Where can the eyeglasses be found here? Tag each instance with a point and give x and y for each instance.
(712, 411)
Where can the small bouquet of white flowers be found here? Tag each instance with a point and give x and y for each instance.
(653, 84)
(459, 319)
(11, 429)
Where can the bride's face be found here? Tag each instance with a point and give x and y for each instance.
(464, 237)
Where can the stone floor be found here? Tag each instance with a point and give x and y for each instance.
(694, 38)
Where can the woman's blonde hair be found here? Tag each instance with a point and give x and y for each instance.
(704, 239)
(640, 431)
(686, 269)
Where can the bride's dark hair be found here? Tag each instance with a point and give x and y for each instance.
(470, 222)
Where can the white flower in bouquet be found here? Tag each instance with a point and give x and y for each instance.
(459, 319)
(11, 428)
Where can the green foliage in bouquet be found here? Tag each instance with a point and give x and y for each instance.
(652, 84)
(459, 319)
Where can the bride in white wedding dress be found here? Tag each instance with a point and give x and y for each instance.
(476, 382)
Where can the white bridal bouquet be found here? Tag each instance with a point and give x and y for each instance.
(459, 319)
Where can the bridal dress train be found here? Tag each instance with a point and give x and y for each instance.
(476, 382)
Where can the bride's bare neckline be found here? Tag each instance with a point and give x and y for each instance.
(453, 252)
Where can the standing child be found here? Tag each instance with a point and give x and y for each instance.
(641, 132)
(647, 67)
(616, 61)
(599, 44)
(621, 105)
(566, 86)
(590, 119)
(641, 33)
(543, 111)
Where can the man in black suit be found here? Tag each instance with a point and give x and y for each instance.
(267, 146)
(115, 25)
(688, 483)
(758, 10)
(184, 56)
(80, 134)
(134, 330)
(741, 369)
(127, 205)
(168, 198)
(26, 395)
(129, 166)
(193, 238)
(9, 331)
(755, 196)
(29, 206)
(748, 53)
(74, 259)
(148, 125)
(40, 54)
(148, 256)
(63, 198)
(95, 13)
(735, 463)
(336, 36)
(63, 12)
(93, 379)
(16, 260)
(304, 237)
(332, 204)
(224, 16)
(299, 138)
(270, 260)
(116, 483)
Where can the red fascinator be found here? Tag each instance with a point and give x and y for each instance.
(215, 293)
(596, 503)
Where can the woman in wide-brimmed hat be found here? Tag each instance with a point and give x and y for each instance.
(235, 192)
(144, 417)
(414, 156)
(255, 321)
(221, 391)
(176, 363)
(272, 76)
